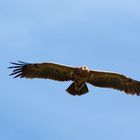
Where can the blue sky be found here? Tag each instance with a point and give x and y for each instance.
(100, 34)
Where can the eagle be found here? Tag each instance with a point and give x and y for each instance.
(79, 76)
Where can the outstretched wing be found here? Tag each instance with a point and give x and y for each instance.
(115, 81)
(43, 70)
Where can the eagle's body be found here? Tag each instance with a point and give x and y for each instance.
(79, 85)
(79, 75)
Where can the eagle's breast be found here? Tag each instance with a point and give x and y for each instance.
(83, 73)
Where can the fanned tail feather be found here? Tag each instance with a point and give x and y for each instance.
(73, 89)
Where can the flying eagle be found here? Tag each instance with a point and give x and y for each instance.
(79, 75)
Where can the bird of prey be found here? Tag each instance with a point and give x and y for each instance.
(78, 75)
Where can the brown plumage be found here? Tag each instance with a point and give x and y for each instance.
(79, 75)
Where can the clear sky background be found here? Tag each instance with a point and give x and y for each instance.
(102, 34)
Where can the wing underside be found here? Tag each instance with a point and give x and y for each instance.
(43, 70)
(115, 81)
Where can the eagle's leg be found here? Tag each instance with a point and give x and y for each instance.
(77, 89)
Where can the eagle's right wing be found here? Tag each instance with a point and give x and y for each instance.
(115, 81)
(43, 70)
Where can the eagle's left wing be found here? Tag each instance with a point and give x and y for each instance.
(43, 70)
(115, 81)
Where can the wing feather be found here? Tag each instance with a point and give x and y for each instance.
(115, 81)
(43, 70)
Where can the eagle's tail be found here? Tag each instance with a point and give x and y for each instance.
(75, 89)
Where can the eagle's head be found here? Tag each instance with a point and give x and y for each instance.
(84, 68)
